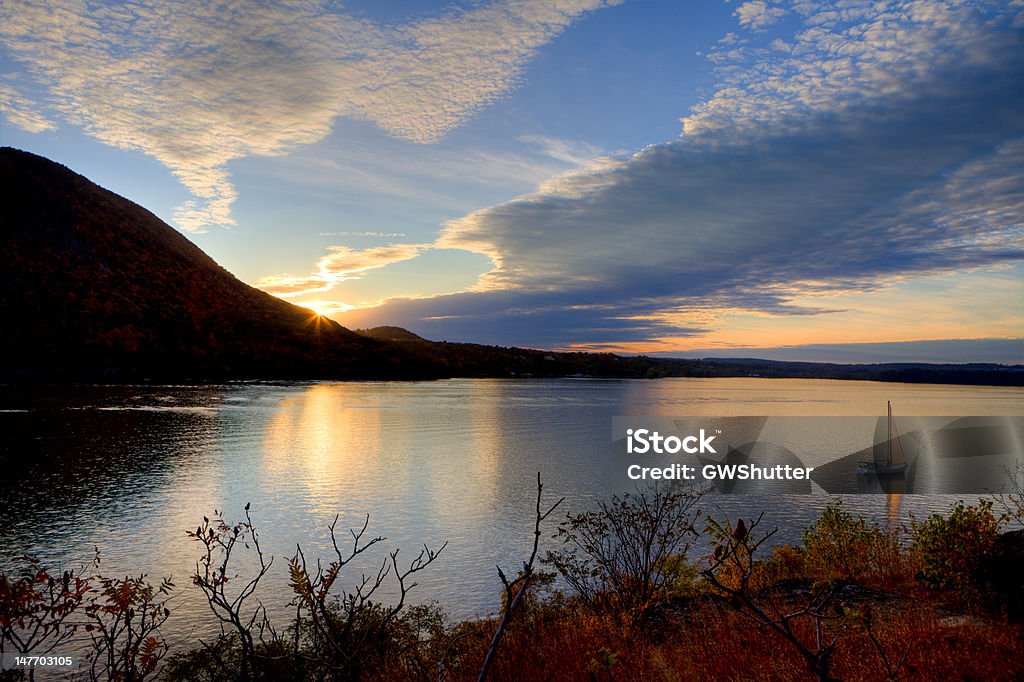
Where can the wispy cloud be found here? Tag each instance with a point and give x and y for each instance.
(362, 234)
(20, 111)
(196, 85)
(885, 144)
(341, 263)
(443, 178)
(573, 152)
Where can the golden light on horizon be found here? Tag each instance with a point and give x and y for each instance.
(325, 308)
(929, 308)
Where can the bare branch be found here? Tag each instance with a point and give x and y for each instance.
(515, 589)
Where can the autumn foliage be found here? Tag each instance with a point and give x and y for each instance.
(624, 600)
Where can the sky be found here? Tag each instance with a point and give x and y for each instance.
(807, 180)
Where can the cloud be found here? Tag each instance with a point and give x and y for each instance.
(362, 234)
(758, 14)
(573, 152)
(843, 59)
(344, 262)
(885, 146)
(517, 318)
(439, 177)
(196, 85)
(341, 263)
(21, 112)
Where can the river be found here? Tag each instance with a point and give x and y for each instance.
(129, 469)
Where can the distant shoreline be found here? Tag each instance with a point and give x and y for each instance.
(968, 374)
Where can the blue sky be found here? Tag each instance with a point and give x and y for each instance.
(642, 176)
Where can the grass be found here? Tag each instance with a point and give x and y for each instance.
(714, 642)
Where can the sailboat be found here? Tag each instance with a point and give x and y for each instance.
(895, 462)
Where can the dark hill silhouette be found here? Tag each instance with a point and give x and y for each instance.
(94, 284)
(96, 288)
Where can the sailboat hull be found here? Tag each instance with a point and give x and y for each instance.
(874, 469)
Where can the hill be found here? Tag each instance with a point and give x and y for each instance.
(390, 334)
(904, 372)
(95, 286)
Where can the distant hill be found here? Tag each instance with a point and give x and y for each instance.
(903, 372)
(390, 334)
(97, 288)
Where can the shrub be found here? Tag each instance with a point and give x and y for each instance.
(733, 572)
(629, 551)
(37, 608)
(842, 546)
(954, 549)
(338, 633)
(784, 563)
(41, 613)
(124, 626)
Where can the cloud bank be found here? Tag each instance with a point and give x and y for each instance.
(879, 142)
(196, 85)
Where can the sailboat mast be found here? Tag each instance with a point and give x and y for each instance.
(888, 440)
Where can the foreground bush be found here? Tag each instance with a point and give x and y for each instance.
(837, 607)
(119, 619)
(954, 550)
(339, 632)
(631, 550)
(403, 646)
(841, 546)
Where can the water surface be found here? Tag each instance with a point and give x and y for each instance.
(128, 469)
